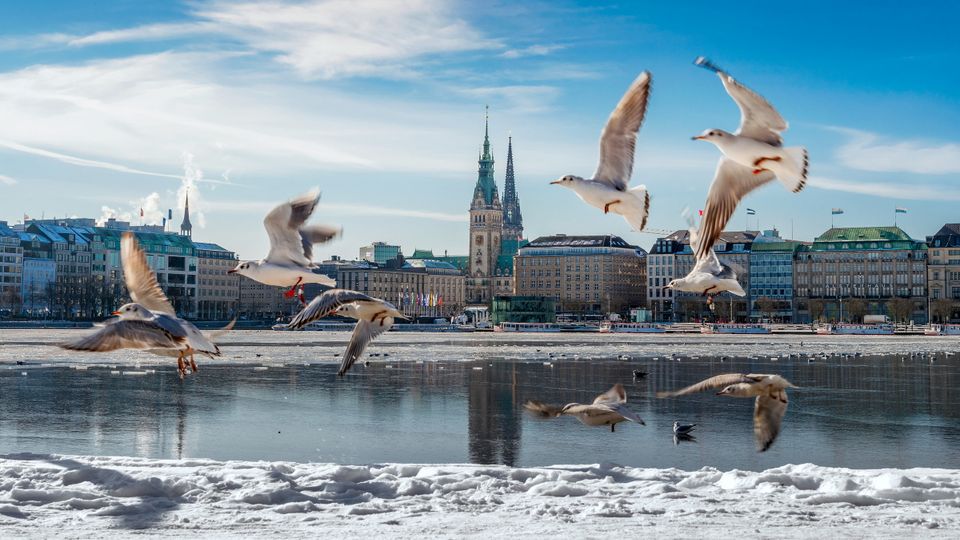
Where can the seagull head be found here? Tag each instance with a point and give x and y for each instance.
(674, 284)
(567, 180)
(244, 268)
(349, 310)
(133, 312)
(715, 135)
(567, 407)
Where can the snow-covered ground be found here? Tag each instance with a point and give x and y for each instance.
(77, 496)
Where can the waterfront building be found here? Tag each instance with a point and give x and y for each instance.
(733, 249)
(39, 275)
(849, 272)
(417, 288)
(11, 271)
(261, 302)
(660, 271)
(496, 229)
(73, 293)
(771, 277)
(583, 274)
(943, 273)
(218, 293)
(524, 309)
(379, 252)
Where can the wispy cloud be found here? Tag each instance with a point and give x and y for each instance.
(352, 210)
(532, 50)
(82, 162)
(525, 98)
(870, 152)
(4, 179)
(887, 190)
(323, 38)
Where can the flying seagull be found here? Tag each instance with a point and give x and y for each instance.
(288, 264)
(608, 189)
(770, 405)
(149, 322)
(709, 275)
(609, 408)
(374, 317)
(752, 156)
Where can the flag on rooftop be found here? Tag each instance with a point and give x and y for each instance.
(751, 212)
(900, 210)
(836, 211)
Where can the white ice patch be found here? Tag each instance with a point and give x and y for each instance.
(110, 496)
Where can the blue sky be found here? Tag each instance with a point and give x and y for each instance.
(380, 104)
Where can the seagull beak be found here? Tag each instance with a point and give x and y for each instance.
(117, 313)
(697, 138)
(555, 182)
(231, 271)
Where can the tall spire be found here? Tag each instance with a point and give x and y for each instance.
(512, 219)
(186, 229)
(486, 185)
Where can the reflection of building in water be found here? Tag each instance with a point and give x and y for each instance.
(494, 428)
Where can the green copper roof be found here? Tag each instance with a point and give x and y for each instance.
(422, 254)
(486, 184)
(863, 234)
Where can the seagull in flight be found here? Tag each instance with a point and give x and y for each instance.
(752, 156)
(374, 317)
(770, 406)
(288, 264)
(609, 408)
(149, 322)
(709, 275)
(608, 189)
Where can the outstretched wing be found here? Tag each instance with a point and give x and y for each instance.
(140, 279)
(619, 137)
(316, 234)
(324, 305)
(614, 395)
(758, 119)
(544, 410)
(717, 381)
(731, 183)
(624, 411)
(768, 412)
(130, 334)
(363, 333)
(283, 225)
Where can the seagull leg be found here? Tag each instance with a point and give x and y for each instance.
(606, 207)
(193, 363)
(293, 290)
(180, 367)
(613, 427)
(303, 301)
(756, 164)
(707, 292)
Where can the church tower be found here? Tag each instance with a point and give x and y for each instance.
(486, 227)
(186, 229)
(512, 219)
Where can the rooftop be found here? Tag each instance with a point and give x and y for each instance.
(562, 240)
(864, 234)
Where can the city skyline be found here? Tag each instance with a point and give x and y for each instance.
(130, 106)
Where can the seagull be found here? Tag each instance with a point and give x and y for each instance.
(288, 263)
(609, 408)
(770, 405)
(149, 322)
(752, 156)
(374, 317)
(682, 429)
(608, 188)
(709, 276)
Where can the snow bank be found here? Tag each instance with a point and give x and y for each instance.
(110, 496)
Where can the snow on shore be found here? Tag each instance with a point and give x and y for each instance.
(44, 495)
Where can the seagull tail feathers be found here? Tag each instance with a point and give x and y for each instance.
(792, 172)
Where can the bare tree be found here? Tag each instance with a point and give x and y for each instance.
(691, 307)
(901, 309)
(942, 309)
(857, 308)
(816, 308)
(766, 306)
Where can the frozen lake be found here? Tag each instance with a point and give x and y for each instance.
(457, 398)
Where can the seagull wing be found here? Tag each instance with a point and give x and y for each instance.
(324, 305)
(363, 333)
(717, 381)
(316, 234)
(538, 408)
(126, 335)
(614, 395)
(140, 279)
(758, 119)
(768, 414)
(731, 183)
(624, 411)
(619, 136)
(215, 335)
(283, 227)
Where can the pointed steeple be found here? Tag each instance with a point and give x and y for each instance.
(186, 229)
(512, 219)
(486, 185)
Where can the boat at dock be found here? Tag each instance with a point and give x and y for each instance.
(853, 329)
(942, 330)
(732, 328)
(630, 328)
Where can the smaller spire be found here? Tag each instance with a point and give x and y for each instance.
(186, 228)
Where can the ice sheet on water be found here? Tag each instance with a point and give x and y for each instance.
(106, 496)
